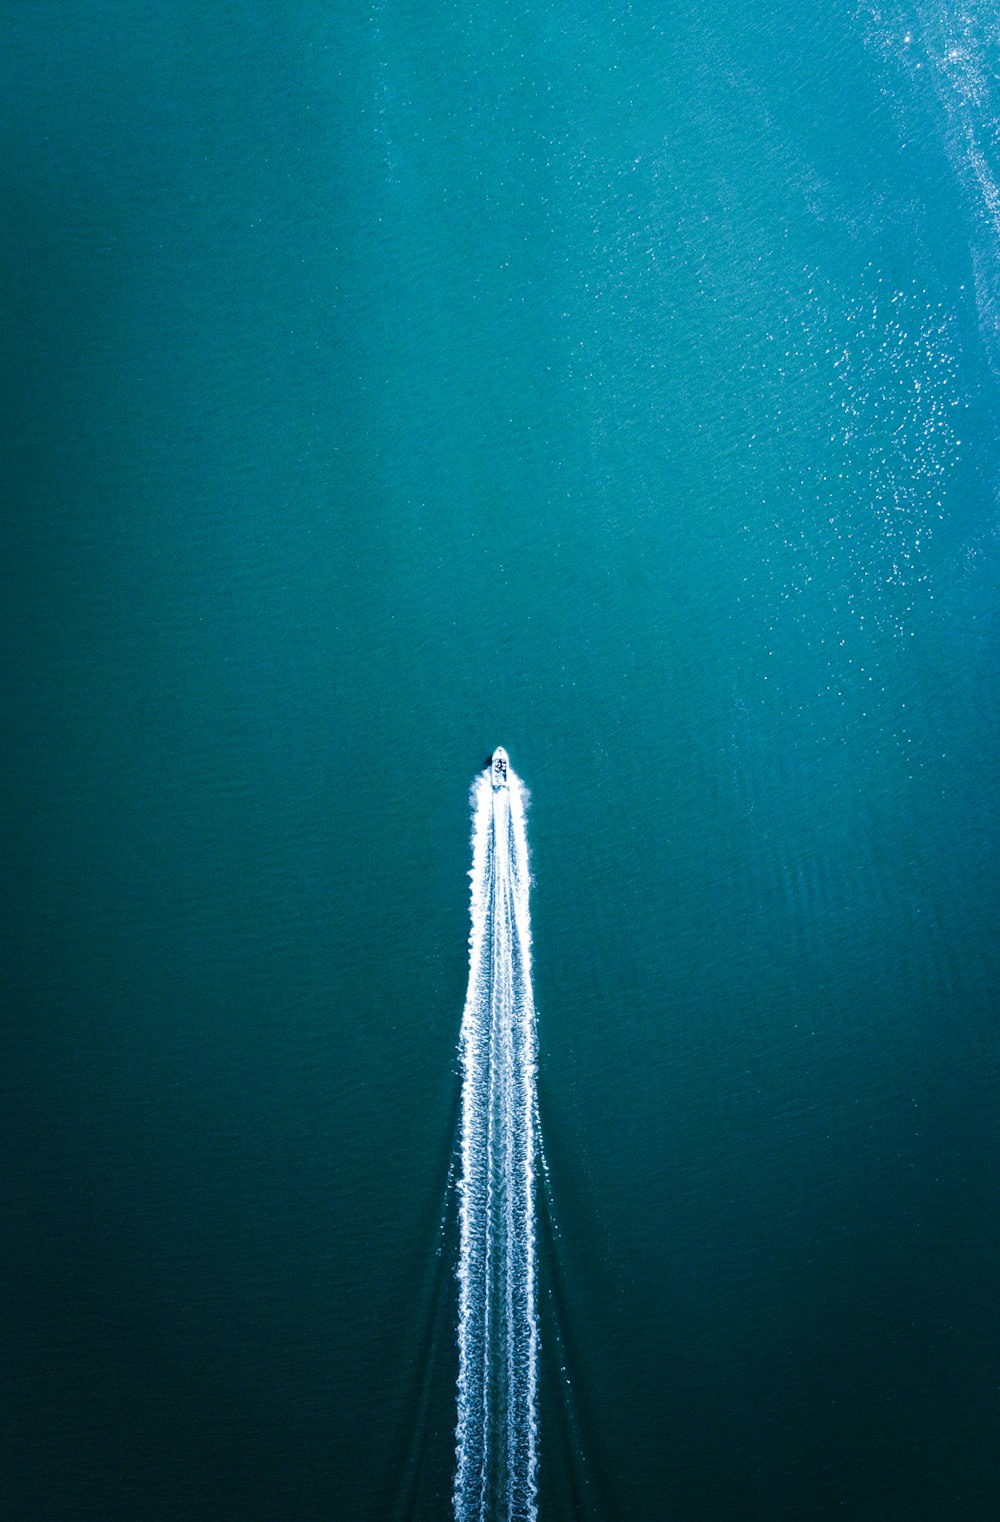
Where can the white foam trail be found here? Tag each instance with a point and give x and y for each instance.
(496, 1437)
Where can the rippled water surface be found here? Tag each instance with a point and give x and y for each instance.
(618, 384)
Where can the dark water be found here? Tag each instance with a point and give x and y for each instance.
(618, 383)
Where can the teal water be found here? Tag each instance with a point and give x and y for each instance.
(618, 384)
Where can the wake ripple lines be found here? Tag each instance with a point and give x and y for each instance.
(496, 1437)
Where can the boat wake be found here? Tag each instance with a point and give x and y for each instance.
(496, 1438)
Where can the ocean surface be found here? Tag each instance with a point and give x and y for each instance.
(618, 383)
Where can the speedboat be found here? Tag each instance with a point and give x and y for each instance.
(498, 768)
